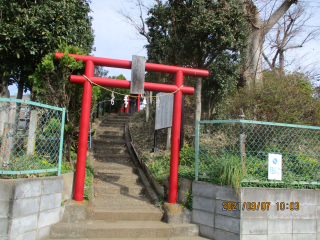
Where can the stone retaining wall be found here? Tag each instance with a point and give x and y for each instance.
(29, 206)
(270, 224)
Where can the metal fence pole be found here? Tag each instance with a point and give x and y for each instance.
(98, 107)
(197, 150)
(61, 139)
(103, 105)
(242, 138)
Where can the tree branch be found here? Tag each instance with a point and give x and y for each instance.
(273, 19)
(267, 60)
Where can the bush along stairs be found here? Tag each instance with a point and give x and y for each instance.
(120, 207)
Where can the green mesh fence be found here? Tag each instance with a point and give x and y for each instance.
(251, 142)
(31, 137)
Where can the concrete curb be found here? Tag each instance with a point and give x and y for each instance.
(150, 192)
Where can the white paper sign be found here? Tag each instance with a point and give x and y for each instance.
(275, 167)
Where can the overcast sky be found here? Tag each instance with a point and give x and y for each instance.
(115, 38)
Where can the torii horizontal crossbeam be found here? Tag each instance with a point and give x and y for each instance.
(116, 83)
(150, 67)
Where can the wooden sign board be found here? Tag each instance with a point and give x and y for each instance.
(137, 75)
(164, 110)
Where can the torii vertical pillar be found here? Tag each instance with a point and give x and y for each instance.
(179, 72)
(175, 140)
(83, 134)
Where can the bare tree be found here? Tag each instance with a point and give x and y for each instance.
(252, 71)
(290, 33)
(135, 15)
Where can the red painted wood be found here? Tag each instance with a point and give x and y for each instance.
(83, 134)
(116, 83)
(150, 67)
(175, 140)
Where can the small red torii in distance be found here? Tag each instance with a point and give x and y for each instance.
(179, 72)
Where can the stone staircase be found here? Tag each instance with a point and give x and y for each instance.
(120, 208)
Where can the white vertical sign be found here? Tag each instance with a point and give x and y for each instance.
(275, 167)
(164, 110)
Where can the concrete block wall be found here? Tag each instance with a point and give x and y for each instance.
(28, 207)
(274, 224)
(214, 223)
(270, 224)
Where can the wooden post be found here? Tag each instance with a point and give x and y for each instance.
(147, 106)
(110, 105)
(3, 116)
(242, 139)
(168, 138)
(182, 124)
(5, 149)
(103, 105)
(32, 131)
(98, 108)
(7, 139)
(155, 147)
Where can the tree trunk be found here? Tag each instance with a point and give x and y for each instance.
(20, 88)
(4, 92)
(252, 71)
(197, 115)
(209, 109)
(281, 61)
(147, 106)
(253, 68)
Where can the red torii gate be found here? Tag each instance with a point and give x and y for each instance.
(90, 62)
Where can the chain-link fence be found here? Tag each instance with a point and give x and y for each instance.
(31, 137)
(251, 143)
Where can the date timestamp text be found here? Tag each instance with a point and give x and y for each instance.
(258, 206)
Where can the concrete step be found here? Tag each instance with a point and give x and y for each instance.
(124, 229)
(104, 229)
(112, 124)
(109, 142)
(171, 238)
(119, 129)
(110, 149)
(115, 137)
(112, 157)
(115, 120)
(110, 133)
(116, 177)
(113, 216)
(134, 189)
(115, 167)
(119, 202)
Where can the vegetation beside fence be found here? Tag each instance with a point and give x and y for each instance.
(235, 152)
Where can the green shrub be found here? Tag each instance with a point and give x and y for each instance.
(187, 156)
(87, 194)
(53, 128)
(160, 168)
(283, 98)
